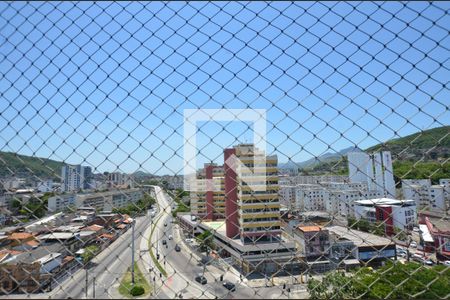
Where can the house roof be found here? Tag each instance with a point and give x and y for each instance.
(68, 258)
(94, 227)
(32, 243)
(32, 256)
(10, 251)
(20, 236)
(309, 228)
(3, 255)
(107, 236)
(56, 236)
(47, 258)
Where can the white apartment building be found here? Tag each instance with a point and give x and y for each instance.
(13, 183)
(102, 201)
(374, 169)
(117, 180)
(445, 182)
(427, 196)
(75, 178)
(45, 186)
(400, 214)
(332, 197)
(312, 179)
(342, 201)
(287, 196)
(310, 197)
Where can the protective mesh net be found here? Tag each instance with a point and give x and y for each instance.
(224, 149)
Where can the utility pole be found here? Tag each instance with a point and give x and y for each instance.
(87, 283)
(157, 242)
(132, 251)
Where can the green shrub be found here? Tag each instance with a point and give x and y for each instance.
(137, 290)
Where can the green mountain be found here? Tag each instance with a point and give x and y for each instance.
(432, 144)
(12, 164)
(420, 155)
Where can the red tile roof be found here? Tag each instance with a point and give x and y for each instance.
(32, 243)
(106, 235)
(309, 228)
(94, 227)
(12, 252)
(20, 236)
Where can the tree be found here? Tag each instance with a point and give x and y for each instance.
(393, 280)
(89, 253)
(206, 240)
(334, 285)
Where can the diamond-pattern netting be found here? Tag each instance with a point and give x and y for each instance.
(224, 149)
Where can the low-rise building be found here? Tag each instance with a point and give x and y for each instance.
(438, 225)
(392, 213)
(332, 197)
(101, 201)
(313, 246)
(257, 257)
(427, 196)
(367, 248)
(29, 271)
(45, 186)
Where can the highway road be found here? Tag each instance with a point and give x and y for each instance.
(109, 267)
(183, 266)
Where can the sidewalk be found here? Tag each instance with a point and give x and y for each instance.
(175, 283)
(230, 273)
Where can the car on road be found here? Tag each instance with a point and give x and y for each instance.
(229, 286)
(164, 242)
(447, 263)
(165, 224)
(416, 229)
(170, 237)
(428, 262)
(189, 241)
(418, 258)
(201, 279)
(402, 254)
(413, 244)
(177, 248)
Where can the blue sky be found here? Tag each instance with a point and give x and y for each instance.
(106, 84)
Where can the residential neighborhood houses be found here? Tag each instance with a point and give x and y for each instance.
(333, 221)
(299, 224)
(34, 256)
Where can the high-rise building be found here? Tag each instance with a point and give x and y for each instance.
(252, 207)
(119, 180)
(75, 178)
(207, 193)
(374, 169)
(248, 228)
(358, 163)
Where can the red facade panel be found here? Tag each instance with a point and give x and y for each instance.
(384, 214)
(231, 205)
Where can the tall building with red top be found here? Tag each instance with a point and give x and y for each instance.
(252, 207)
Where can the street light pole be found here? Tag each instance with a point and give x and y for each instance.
(132, 251)
(87, 283)
(157, 243)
